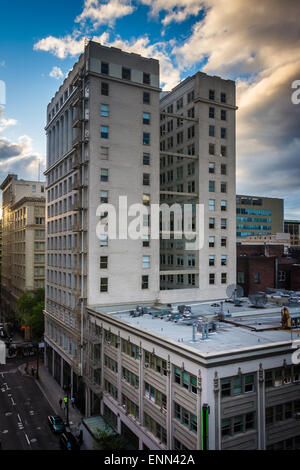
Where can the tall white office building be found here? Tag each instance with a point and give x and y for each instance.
(103, 143)
(197, 147)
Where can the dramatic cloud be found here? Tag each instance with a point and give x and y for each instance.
(56, 73)
(238, 39)
(178, 10)
(257, 44)
(268, 145)
(261, 45)
(19, 158)
(104, 12)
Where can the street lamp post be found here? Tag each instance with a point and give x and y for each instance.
(37, 360)
(67, 390)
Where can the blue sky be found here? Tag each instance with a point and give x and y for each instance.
(257, 45)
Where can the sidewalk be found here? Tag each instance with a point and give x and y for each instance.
(53, 392)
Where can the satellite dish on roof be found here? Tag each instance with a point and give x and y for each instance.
(234, 292)
(258, 299)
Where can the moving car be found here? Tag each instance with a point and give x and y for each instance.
(68, 441)
(56, 424)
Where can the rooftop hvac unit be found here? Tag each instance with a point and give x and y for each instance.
(234, 293)
(258, 299)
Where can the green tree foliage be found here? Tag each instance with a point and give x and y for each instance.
(107, 440)
(30, 312)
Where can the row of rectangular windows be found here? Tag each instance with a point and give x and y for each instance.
(240, 384)
(104, 281)
(126, 73)
(169, 143)
(105, 92)
(238, 424)
(191, 261)
(187, 418)
(169, 175)
(282, 412)
(190, 113)
(231, 386)
(190, 98)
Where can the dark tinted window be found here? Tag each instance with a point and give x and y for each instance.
(105, 68)
(104, 89)
(146, 78)
(146, 97)
(126, 73)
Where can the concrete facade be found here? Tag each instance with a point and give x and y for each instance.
(259, 216)
(94, 158)
(158, 386)
(198, 122)
(23, 239)
(265, 266)
(293, 228)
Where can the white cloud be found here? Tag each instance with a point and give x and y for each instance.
(178, 10)
(5, 123)
(61, 47)
(235, 39)
(259, 43)
(104, 12)
(56, 73)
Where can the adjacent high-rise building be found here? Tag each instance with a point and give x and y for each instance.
(259, 216)
(103, 144)
(197, 147)
(293, 228)
(23, 240)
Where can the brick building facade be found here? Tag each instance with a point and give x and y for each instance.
(263, 266)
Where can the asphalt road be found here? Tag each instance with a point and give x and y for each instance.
(23, 412)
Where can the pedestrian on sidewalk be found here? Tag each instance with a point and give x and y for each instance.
(60, 402)
(73, 401)
(66, 401)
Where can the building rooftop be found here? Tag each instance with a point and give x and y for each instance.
(246, 328)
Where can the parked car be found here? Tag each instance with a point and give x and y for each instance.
(68, 441)
(56, 424)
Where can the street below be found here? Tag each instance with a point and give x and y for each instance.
(23, 412)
